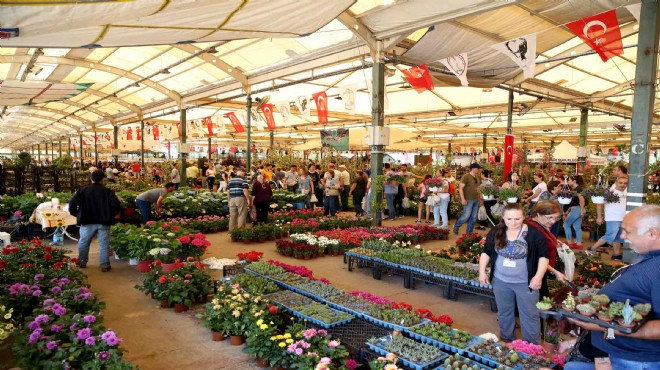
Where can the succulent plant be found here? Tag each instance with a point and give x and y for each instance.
(545, 304)
(585, 293)
(604, 315)
(628, 313)
(615, 308)
(643, 308)
(594, 304)
(586, 309)
(569, 302)
(602, 299)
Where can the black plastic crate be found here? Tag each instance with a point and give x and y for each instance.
(355, 334)
(229, 270)
(446, 284)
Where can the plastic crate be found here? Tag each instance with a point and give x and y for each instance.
(229, 270)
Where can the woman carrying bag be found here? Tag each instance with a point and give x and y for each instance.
(306, 187)
(263, 194)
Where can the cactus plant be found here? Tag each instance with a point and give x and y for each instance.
(594, 304)
(604, 315)
(643, 308)
(569, 302)
(628, 313)
(602, 299)
(615, 308)
(586, 309)
(545, 304)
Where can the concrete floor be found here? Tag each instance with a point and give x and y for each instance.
(158, 338)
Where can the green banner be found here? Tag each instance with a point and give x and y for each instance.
(335, 139)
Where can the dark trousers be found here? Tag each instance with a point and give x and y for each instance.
(319, 197)
(331, 205)
(262, 212)
(344, 198)
(357, 203)
(398, 202)
(211, 182)
(145, 209)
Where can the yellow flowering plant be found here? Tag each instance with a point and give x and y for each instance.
(385, 363)
(6, 323)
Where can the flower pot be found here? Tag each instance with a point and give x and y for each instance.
(586, 314)
(620, 321)
(153, 296)
(564, 200)
(488, 197)
(217, 336)
(512, 200)
(128, 212)
(608, 319)
(143, 266)
(180, 307)
(549, 347)
(598, 200)
(167, 267)
(247, 241)
(568, 309)
(236, 340)
(261, 362)
(164, 303)
(307, 257)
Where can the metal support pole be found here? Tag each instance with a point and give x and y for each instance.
(142, 169)
(96, 149)
(183, 148)
(272, 140)
(643, 104)
(509, 115)
(59, 141)
(249, 133)
(46, 151)
(115, 143)
(484, 143)
(39, 153)
(583, 152)
(209, 150)
(68, 148)
(377, 120)
(82, 161)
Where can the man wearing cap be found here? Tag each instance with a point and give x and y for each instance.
(468, 190)
(344, 186)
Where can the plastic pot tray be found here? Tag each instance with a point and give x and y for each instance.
(413, 365)
(436, 343)
(604, 324)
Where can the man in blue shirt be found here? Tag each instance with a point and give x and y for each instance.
(639, 283)
(239, 200)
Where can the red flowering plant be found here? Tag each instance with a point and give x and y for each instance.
(188, 283)
(249, 257)
(192, 245)
(298, 270)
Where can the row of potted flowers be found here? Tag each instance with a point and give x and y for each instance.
(56, 318)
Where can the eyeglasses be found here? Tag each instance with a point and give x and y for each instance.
(553, 217)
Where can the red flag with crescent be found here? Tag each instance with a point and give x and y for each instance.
(268, 114)
(156, 133)
(129, 134)
(235, 122)
(419, 78)
(601, 32)
(178, 129)
(321, 99)
(139, 133)
(508, 154)
(209, 125)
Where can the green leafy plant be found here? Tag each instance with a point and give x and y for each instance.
(545, 304)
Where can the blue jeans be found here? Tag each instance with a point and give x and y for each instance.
(390, 205)
(87, 232)
(577, 365)
(612, 232)
(145, 209)
(369, 203)
(331, 205)
(440, 210)
(469, 215)
(573, 223)
(620, 364)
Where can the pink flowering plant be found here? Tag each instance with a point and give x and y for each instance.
(317, 350)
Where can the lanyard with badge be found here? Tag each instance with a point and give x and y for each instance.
(510, 245)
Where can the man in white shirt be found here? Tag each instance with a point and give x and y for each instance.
(291, 179)
(614, 214)
(345, 183)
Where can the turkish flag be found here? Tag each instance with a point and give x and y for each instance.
(156, 133)
(508, 154)
(209, 125)
(321, 99)
(268, 114)
(419, 78)
(129, 134)
(601, 32)
(235, 122)
(178, 129)
(139, 133)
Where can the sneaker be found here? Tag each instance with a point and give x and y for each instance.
(401, 216)
(418, 222)
(617, 257)
(429, 222)
(81, 264)
(456, 231)
(106, 268)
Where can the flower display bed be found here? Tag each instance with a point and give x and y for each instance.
(411, 353)
(457, 361)
(495, 355)
(443, 336)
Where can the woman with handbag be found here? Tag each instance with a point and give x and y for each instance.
(263, 194)
(306, 187)
(358, 191)
(331, 202)
(424, 194)
(441, 204)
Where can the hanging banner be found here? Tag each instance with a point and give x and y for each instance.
(209, 125)
(635, 10)
(303, 107)
(235, 122)
(138, 132)
(419, 78)
(386, 100)
(285, 110)
(129, 134)
(220, 126)
(321, 100)
(156, 133)
(601, 32)
(347, 95)
(335, 139)
(192, 130)
(178, 130)
(268, 115)
(508, 154)
(458, 65)
(522, 51)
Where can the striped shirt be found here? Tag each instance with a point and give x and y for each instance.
(236, 186)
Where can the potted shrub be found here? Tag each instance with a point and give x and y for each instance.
(510, 195)
(628, 315)
(586, 309)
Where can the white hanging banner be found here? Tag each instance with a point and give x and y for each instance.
(258, 121)
(302, 103)
(522, 51)
(347, 94)
(220, 125)
(635, 10)
(284, 108)
(458, 65)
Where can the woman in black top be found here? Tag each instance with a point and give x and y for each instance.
(358, 190)
(316, 180)
(574, 212)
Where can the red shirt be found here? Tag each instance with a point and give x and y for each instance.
(136, 167)
(550, 239)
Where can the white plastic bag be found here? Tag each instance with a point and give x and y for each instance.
(568, 257)
(406, 202)
(482, 215)
(497, 209)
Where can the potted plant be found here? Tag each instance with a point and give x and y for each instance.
(628, 315)
(394, 178)
(585, 295)
(604, 315)
(489, 192)
(510, 195)
(615, 309)
(643, 308)
(545, 304)
(213, 318)
(569, 303)
(551, 338)
(586, 309)
(600, 195)
(602, 299)
(565, 196)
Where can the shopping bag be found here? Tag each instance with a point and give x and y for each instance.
(406, 202)
(253, 213)
(497, 209)
(313, 198)
(482, 215)
(567, 256)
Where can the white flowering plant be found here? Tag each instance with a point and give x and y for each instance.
(6, 322)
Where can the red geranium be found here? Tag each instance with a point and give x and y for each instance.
(3, 264)
(48, 256)
(58, 265)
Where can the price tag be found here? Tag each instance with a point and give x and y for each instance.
(509, 263)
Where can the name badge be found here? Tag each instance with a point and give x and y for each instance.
(509, 263)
